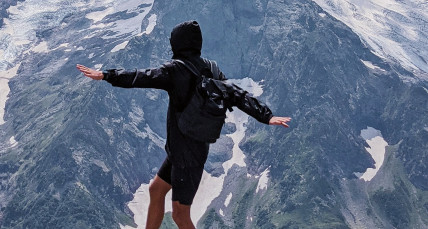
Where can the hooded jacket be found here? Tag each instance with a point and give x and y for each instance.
(178, 81)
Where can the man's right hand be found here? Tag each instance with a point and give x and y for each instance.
(91, 73)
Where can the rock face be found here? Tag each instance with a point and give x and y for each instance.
(84, 147)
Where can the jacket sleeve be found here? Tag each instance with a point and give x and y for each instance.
(158, 78)
(248, 104)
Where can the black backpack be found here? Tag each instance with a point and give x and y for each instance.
(203, 117)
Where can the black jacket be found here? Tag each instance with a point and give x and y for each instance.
(179, 82)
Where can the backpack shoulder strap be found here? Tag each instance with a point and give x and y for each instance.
(213, 67)
(189, 66)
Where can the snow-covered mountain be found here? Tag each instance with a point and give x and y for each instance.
(393, 30)
(80, 154)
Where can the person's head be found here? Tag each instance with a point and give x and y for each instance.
(186, 39)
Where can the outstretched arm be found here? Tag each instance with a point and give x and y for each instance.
(145, 78)
(254, 108)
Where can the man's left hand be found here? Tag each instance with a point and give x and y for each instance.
(91, 73)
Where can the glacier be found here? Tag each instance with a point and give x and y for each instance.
(394, 30)
(19, 38)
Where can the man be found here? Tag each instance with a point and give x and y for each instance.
(183, 167)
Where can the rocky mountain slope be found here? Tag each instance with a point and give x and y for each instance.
(73, 151)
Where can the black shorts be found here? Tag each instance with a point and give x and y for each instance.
(184, 181)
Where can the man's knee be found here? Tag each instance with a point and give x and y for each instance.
(181, 215)
(158, 188)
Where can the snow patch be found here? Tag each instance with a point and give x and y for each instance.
(98, 66)
(63, 45)
(152, 23)
(263, 181)
(322, 14)
(12, 141)
(132, 25)
(240, 119)
(41, 47)
(99, 15)
(371, 65)
(426, 90)
(221, 212)
(140, 204)
(209, 188)
(5, 76)
(376, 149)
(227, 201)
(248, 84)
(119, 46)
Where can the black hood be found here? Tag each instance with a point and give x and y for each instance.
(186, 39)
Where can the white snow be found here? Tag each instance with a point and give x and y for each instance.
(97, 16)
(248, 84)
(240, 119)
(263, 181)
(227, 200)
(152, 23)
(426, 90)
(392, 29)
(140, 204)
(376, 149)
(5, 76)
(221, 212)
(98, 66)
(27, 17)
(12, 141)
(119, 46)
(370, 65)
(322, 14)
(4, 92)
(41, 47)
(210, 186)
(132, 25)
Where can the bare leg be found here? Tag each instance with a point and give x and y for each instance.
(181, 215)
(158, 190)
